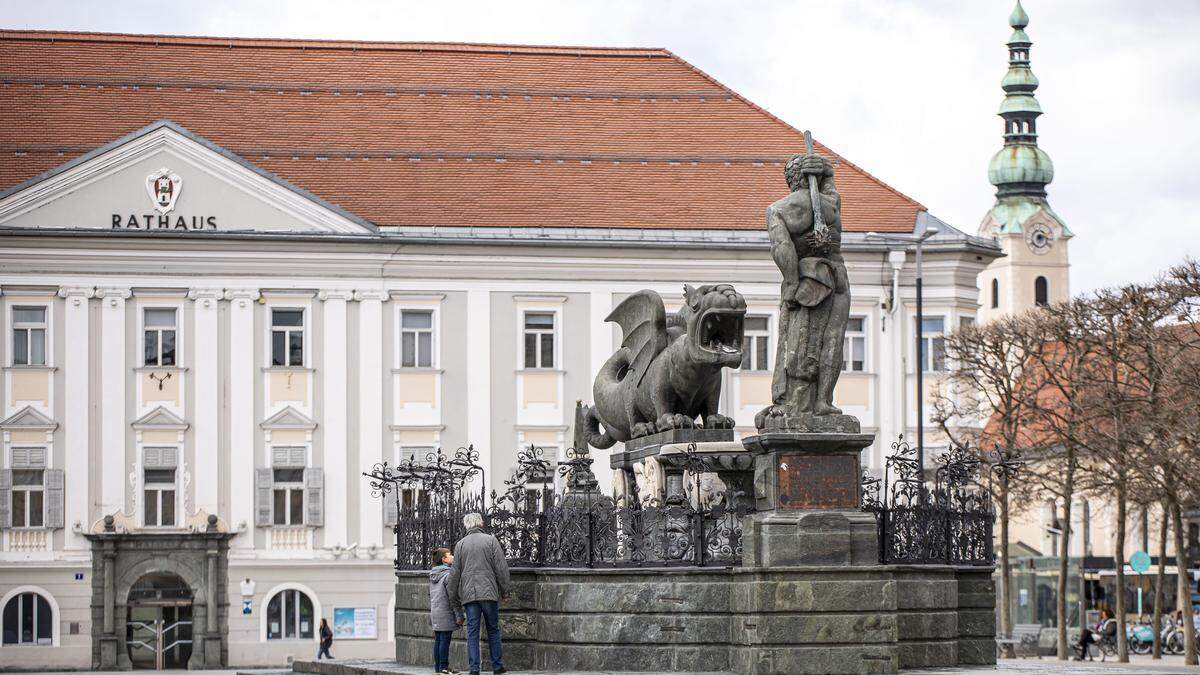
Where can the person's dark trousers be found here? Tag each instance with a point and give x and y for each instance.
(324, 651)
(441, 650)
(490, 611)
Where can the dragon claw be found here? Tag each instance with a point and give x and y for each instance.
(716, 421)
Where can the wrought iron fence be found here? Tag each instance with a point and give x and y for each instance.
(578, 527)
(949, 523)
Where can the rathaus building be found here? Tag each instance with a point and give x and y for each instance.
(237, 273)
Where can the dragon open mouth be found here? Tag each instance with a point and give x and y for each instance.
(721, 332)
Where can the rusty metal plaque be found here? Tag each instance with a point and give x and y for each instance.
(817, 481)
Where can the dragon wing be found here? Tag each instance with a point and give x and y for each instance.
(643, 321)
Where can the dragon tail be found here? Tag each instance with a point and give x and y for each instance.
(591, 430)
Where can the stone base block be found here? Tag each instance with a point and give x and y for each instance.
(821, 660)
(784, 538)
(758, 620)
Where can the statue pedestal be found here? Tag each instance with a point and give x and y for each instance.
(807, 495)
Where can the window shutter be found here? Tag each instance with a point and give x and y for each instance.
(262, 497)
(390, 516)
(37, 458)
(314, 496)
(151, 457)
(297, 457)
(54, 498)
(6, 498)
(279, 456)
(20, 458)
(170, 458)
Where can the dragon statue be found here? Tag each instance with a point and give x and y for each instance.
(665, 375)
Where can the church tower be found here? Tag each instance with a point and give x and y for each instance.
(1033, 237)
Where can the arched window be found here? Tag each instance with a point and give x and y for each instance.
(290, 616)
(995, 293)
(1041, 292)
(28, 620)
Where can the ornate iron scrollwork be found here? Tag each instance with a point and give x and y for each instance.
(950, 523)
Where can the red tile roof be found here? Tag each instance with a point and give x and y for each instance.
(431, 133)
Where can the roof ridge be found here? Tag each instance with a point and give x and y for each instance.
(308, 43)
(779, 120)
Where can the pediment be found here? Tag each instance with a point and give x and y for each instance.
(289, 418)
(28, 419)
(160, 418)
(164, 179)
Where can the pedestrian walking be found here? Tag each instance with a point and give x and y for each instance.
(326, 640)
(444, 616)
(478, 581)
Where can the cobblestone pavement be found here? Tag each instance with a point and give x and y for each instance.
(1139, 665)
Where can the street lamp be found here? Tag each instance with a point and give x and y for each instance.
(918, 240)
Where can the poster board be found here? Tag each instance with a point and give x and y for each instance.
(355, 623)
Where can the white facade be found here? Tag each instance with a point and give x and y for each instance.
(306, 346)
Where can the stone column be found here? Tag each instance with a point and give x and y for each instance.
(77, 421)
(479, 377)
(333, 405)
(241, 413)
(206, 378)
(212, 637)
(110, 646)
(113, 415)
(370, 409)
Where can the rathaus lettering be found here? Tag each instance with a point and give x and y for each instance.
(150, 221)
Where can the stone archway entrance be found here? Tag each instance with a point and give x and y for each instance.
(159, 598)
(158, 631)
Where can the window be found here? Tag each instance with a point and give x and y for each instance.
(965, 322)
(933, 348)
(1041, 292)
(28, 620)
(28, 497)
(854, 349)
(287, 337)
(539, 339)
(755, 354)
(159, 342)
(287, 497)
(290, 616)
(29, 336)
(416, 338)
(995, 293)
(159, 465)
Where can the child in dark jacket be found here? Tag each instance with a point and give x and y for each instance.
(444, 618)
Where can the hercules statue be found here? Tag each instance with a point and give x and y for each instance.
(815, 297)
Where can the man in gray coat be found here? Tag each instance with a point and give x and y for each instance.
(478, 581)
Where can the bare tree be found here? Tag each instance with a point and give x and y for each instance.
(981, 396)
(1119, 381)
(1056, 415)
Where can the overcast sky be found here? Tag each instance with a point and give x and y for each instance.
(907, 89)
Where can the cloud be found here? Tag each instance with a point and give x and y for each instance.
(908, 90)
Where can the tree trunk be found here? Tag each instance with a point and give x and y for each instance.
(1122, 506)
(1006, 622)
(1064, 553)
(1183, 587)
(1160, 579)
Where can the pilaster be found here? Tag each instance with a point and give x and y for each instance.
(333, 403)
(370, 409)
(205, 341)
(113, 422)
(77, 421)
(479, 377)
(241, 414)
